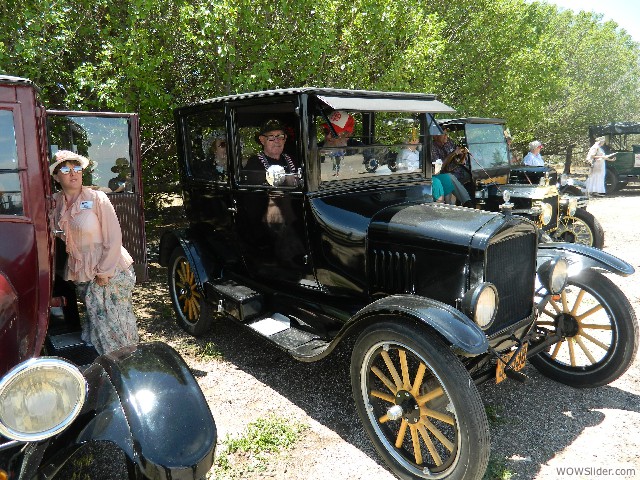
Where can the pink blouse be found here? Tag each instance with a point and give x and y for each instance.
(92, 235)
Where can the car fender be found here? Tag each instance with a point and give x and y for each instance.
(581, 257)
(453, 325)
(179, 238)
(144, 399)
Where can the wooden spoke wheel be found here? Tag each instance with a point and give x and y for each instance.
(599, 332)
(418, 404)
(193, 314)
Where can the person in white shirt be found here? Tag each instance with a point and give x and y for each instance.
(533, 158)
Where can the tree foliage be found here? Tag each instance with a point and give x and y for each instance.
(549, 72)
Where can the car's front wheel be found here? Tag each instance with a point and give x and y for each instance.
(582, 228)
(599, 332)
(193, 313)
(418, 404)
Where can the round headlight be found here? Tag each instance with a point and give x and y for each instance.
(481, 304)
(547, 213)
(553, 274)
(572, 207)
(39, 398)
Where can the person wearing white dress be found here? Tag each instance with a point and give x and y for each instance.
(596, 157)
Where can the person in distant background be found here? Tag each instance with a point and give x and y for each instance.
(533, 158)
(455, 160)
(596, 158)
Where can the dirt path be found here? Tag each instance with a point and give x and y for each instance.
(539, 427)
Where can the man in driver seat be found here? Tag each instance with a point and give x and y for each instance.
(272, 136)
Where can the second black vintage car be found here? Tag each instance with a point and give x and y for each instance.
(535, 192)
(292, 236)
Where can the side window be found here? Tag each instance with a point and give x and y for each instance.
(268, 137)
(206, 146)
(103, 140)
(10, 190)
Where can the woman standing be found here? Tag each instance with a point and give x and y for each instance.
(98, 264)
(596, 158)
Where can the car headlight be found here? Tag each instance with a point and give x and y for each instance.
(39, 398)
(546, 213)
(572, 206)
(553, 274)
(481, 304)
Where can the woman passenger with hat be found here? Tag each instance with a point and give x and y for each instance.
(98, 264)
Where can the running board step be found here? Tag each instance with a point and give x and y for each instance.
(239, 301)
(278, 329)
(71, 347)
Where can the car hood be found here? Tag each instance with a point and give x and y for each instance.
(432, 222)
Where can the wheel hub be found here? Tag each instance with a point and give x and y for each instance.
(567, 325)
(409, 408)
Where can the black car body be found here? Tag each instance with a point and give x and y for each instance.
(59, 400)
(438, 295)
(534, 192)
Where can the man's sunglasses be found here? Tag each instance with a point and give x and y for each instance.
(65, 170)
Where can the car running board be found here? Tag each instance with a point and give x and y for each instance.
(279, 329)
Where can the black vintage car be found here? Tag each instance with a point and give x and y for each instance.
(305, 253)
(535, 192)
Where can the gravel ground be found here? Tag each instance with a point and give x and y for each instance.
(540, 426)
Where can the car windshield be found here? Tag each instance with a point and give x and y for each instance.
(356, 145)
(487, 146)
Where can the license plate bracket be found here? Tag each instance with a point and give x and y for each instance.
(517, 364)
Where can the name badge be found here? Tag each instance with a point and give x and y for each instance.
(86, 205)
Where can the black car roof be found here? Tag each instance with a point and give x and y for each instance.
(615, 128)
(348, 99)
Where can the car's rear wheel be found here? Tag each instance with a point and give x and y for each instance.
(193, 313)
(611, 180)
(582, 228)
(418, 404)
(599, 332)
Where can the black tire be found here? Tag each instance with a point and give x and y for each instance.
(371, 165)
(193, 313)
(582, 228)
(600, 333)
(450, 426)
(611, 180)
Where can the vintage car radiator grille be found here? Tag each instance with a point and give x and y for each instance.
(394, 271)
(510, 266)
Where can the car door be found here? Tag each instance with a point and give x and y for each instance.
(269, 220)
(111, 142)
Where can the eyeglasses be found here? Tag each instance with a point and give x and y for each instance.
(65, 170)
(273, 138)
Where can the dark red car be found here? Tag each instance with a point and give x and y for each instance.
(141, 399)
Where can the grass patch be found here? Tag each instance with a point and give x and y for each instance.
(209, 351)
(497, 470)
(494, 415)
(252, 451)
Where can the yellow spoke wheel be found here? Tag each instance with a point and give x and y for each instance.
(192, 311)
(418, 403)
(599, 332)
